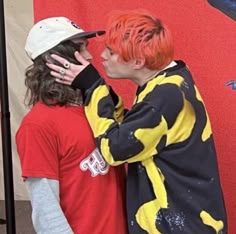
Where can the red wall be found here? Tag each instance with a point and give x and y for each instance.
(205, 39)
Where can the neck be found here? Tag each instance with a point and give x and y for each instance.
(145, 74)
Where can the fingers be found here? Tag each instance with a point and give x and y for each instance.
(65, 82)
(67, 72)
(61, 74)
(59, 70)
(58, 58)
(63, 79)
(80, 59)
(66, 64)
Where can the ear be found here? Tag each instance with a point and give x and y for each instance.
(139, 63)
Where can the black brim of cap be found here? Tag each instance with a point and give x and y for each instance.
(89, 34)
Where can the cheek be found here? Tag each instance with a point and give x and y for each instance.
(112, 62)
(112, 66)
(82, 53)
(104, 55)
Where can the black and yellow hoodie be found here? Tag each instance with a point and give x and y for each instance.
(173, 182)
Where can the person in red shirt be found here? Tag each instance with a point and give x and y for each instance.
(71, 187)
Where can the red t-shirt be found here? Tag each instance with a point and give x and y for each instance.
(57, 143)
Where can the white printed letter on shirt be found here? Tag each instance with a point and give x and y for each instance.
(95, 164)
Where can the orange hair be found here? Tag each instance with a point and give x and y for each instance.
(137, 34)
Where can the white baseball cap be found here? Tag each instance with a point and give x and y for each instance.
(50, 32)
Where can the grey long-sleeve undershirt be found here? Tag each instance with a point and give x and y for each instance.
(47, 215)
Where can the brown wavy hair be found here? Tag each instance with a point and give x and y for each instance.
(41, 85)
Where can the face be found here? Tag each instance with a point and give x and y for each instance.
(83, 44)
(114, 66)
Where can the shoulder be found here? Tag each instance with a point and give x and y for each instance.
(36, 119)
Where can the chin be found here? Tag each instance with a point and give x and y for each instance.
(112, 76)
(109, 75)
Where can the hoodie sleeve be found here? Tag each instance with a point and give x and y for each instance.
(134, 138)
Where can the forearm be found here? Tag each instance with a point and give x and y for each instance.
(123, 140)
(47, 215)
(134, 139)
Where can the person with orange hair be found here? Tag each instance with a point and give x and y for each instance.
(173, 183)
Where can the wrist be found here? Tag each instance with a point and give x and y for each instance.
(86, 78)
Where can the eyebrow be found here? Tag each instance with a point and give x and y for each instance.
(108, 48)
